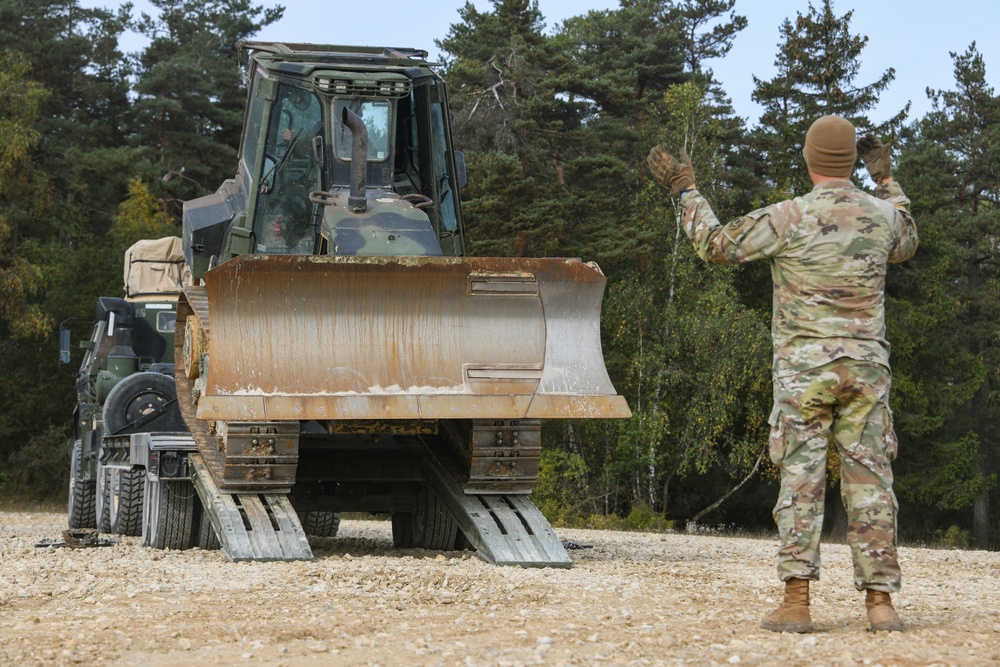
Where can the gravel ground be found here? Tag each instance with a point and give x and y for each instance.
(629, 599)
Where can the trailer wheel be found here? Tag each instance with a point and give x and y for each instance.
(431, 527)
(168, 514)
(207, 539)
(102, 498)
(125, 501)
(320, 524)
(136, 397)
(462, 542)
(82, 494)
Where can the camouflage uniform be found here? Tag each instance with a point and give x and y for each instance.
(828, 252)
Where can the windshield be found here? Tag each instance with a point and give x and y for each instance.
(375, 114)
(283, 219)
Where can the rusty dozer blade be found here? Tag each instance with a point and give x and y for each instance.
(327, 338)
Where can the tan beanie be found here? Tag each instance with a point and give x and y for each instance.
(831, 148)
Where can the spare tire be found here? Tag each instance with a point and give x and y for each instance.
(143, 402)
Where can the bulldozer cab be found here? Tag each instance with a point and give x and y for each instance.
(345, 151)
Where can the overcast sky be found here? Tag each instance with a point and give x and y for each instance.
(914, 37)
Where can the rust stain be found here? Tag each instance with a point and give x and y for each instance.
(333, 338)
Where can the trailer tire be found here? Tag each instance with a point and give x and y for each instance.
(431, 527)
(207, 539)
(125, 501)
(462, 543)
(320, 523)
(140, 394)
(82, 494)
(168, 514)
(102, 498)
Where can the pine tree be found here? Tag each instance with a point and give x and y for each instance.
(493, 69)
(700, 45)
(509, 121)
(818, 64)
(73, 52)
(948, 307)
(621, 62)
(70, 109)
(190, 95)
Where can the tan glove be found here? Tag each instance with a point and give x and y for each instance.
(875, 155)
(674, 175)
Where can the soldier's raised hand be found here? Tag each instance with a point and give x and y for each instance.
(875, 155)
(674, 174)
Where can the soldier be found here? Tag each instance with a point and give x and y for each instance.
(299, 112)
(828, 252)
(292, 172)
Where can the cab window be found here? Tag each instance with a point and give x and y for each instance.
(375, 114)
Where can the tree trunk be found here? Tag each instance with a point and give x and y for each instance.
(666, 493)
(557, 167)
(981, 511)
(569, 437)
(697, 517)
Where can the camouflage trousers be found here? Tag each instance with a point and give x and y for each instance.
(846, 402)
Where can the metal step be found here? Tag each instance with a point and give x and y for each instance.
(250, 526)
(506, 529)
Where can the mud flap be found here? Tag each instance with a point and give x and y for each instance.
(505, 529)
(250, 526)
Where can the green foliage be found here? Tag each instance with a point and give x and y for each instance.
(84, 117)
(560, 493)
(98, 149)
(20, 279)
(504, 208)
(622, 59)
(644, 518)
(716, 42)
(949, 302)
(693, 360)
(499, 59)
(818, 63)
(21, 100)
(39, 470)
(189, 106)
(955, 538)
(641, 519)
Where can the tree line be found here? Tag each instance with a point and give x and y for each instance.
(101, 147)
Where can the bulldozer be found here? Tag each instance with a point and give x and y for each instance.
(339, 351)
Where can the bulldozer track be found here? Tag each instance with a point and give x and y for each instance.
(194, 303)
(248, 461)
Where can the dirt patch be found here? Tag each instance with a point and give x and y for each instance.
(629, 599)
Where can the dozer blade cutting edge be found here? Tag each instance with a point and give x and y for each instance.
(325, 337)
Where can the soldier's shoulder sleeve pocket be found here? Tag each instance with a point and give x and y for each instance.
(737, 228)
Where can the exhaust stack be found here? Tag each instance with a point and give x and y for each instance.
(357, 201)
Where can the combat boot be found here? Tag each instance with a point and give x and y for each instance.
(793, 613)
(881, 614)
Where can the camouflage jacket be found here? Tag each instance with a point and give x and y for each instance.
(828, 252)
